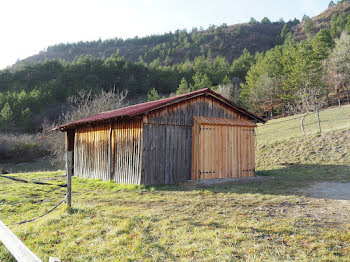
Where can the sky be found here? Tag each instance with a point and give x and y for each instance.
(28, 27)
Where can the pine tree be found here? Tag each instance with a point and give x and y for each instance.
(265, 20)
(242, 64)
(200, 81)
(321, 44)
(183, 87)
(347, 27)
(284, 31)
(331, 3)
(253, 21)
(6, 112)
(152, 95)
(308, 25)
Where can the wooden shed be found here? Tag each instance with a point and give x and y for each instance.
(199, 135)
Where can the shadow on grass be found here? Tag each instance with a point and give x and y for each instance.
(292, 179)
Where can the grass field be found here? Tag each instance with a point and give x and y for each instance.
(269, 220)
(274, 219)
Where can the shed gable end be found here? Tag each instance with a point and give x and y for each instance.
(167, 138)
(182, 113)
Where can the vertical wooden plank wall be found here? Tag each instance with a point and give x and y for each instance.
(91, 152)
(110, 152)
(166, 154)
(223, 151)
(167, 148)
(127, 139)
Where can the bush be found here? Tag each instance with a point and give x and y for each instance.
(16, 148)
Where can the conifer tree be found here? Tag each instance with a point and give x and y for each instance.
(153, 95)
(183, 87)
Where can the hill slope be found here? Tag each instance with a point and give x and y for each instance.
(282, 129)
(176, 47)
(328, 148)
(281, 143)
(323, 20)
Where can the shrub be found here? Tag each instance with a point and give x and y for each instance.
(16, 148)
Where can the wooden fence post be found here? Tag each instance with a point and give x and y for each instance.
(19, 251)
(69, 165)
(69, 155)
(319, 122)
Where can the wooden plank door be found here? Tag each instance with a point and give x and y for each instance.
(223, 151)
(208, 152)
(215, 151)
(248, 151)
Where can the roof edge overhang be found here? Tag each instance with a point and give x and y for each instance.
(205, 92)
(69, 126)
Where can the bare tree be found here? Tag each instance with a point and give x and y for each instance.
(82, 105)
(225, 90)
(231, 90)
(309, 99)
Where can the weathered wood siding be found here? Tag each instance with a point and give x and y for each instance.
(167, 148)
(166, 158)
(182, 113)
(127, 150)
(109, 152)
(91, 152)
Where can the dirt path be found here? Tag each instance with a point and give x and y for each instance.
(330, 190)
(331, 204)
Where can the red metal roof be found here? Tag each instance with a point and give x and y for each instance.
(139, 109)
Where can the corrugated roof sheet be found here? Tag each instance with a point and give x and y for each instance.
(139, 109)
(223, 121)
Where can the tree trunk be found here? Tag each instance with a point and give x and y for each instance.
(302, 123)
(327, 98)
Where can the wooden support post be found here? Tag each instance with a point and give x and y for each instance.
(110, 154)
(69, 156)
(18, 250)
(69, 165)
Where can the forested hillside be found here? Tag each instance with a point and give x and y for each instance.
(331, 18)
(270, 68)
(306, 75)
(181, 45)
(174, 47)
